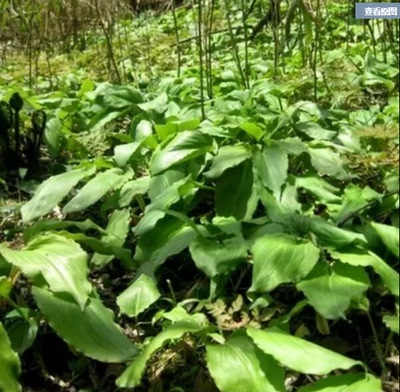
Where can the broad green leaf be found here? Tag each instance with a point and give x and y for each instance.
(86, 86)
(10, 366)
(131, 189)
(272, 167)
(355, 198)
(389, 235)
(325, 192)
(165, 130)
(111, 102)
(156, 210)
(227, 157)
(124, 152)
(51, 225)
(293, 145)
(50, 193)
(370, 79)
(159, 183)
(173, 110)
(184, 146)
(170, 193)
(229, 225)
(276, 210)
(22, 334)
(142, 293)
(253, 130)
(54, 136)
(228, 74)
(332, 236)
(5, 286)
(178, 313)
(289, 199)
(91, 331)
(236, 194)
(269, 228)
(188, 124)
(364, 258)
(331, 293)
(392, 322)
(158, 104)
(132, 376)
(169, 237)
(117, 229)
(183, 218)
(315, 131)
(328, 162)
(99, 246)
(281, 258)
(148, 221)
(143, 130)
(299, 354)
(60, 261)
(216, 258)
(239, 366)
(104, 116)
(359, 382)
(117, 97)
(94, 190)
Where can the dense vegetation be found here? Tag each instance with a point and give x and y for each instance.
(198, 198)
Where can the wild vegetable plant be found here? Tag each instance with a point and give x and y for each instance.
(252, 232)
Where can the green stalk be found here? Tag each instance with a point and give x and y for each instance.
(177, 38)
(200, 47)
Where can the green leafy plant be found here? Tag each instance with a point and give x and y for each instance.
(229, 239)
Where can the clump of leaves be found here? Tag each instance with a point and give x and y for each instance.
(249, 181)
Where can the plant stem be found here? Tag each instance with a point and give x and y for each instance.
(378, 348)
(177, 40)
(201, 65)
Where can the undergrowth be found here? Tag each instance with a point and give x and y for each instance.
(200, 228)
